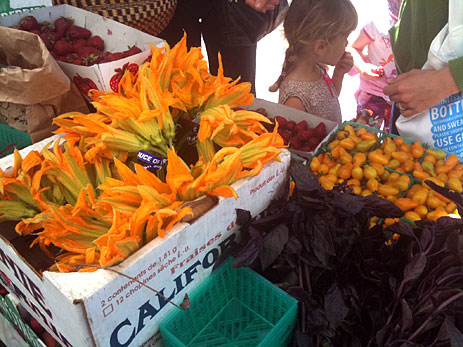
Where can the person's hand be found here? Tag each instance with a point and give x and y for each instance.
(418, 90)
(344, 65)
(262, 5)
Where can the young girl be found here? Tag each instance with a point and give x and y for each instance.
(376, 65)
(317, 33)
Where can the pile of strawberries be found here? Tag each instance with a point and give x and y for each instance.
(71, 43)
(300, 136)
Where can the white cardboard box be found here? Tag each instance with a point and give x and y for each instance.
(117, 37)
(105, 309)
(290, 113)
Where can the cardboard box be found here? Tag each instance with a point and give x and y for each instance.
(117, 37)
(106, 309)
(290, 113)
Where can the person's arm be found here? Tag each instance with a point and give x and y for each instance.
(418, 90)
(342, 67)
(262, 5)
(367, 70)
(295, 102)
(456, 68)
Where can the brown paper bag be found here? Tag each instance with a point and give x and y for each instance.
(32, 81)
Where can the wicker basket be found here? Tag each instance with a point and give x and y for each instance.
(149, 16)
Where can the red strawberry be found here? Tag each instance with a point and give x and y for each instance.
(45, 26)
(84, 84)
(77, 62)
(76, 32)
(35, 31)
(313, 142)
(78, 44)
(97, 42)
(107, 57)
(302, 125)
(28, 23)
(117, 56)
(114, 82)
(61, 58)
(286, 136)
(71, 57)
(62, 24)
(306, 148)
(54, 55)
(295, 142)
(280, 120)
(89, 55)
(320, 130)
(36, 326)
(290, 125)
(52, 37)
(305, 134)
(46, 41)
(48, 339)
(132, 51)
(3, 291)
(63, 47)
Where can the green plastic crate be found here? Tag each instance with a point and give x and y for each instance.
(233, 307)
(11, 138)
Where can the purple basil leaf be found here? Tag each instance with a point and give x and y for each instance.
(293, 246)
(407, 316)
(322, 241)
(273, 244)
(303, 340)
(254, 232)
(415, 268)
(305, 180)
(453, 196)
(335, 307)
(456, 336)
(455, 245)
(300, 295)
(380, 207)
(249, 253)
(243, 217)
(350, 203)
(401, 228)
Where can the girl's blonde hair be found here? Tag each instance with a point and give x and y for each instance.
(310, 20)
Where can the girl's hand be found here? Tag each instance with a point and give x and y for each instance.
(344, 64)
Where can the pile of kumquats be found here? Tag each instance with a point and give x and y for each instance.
(394, 168)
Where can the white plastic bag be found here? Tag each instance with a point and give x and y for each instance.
(441, 126)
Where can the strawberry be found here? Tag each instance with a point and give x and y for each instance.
(61, 25)
(46, 41)
(78, 44)
(295, 142)
(305, 134)
(45, 26)
(97, 42)
(280, 120)
(52, 37)
(313, 142)
(302, 125)
(76, 32)
(61, 58)
(132, 51)
(36, 326)
(117, 56)
(115, 79)
(77, 62)
(49, 339)
(71, 57)
(63, 47)
(107, 57)
(320, 130)
(89, 55)
(290, 125)
(3, 291)
(35, 31)
(84, 84)
(54, 55)
(28, 23)
(286, 136)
